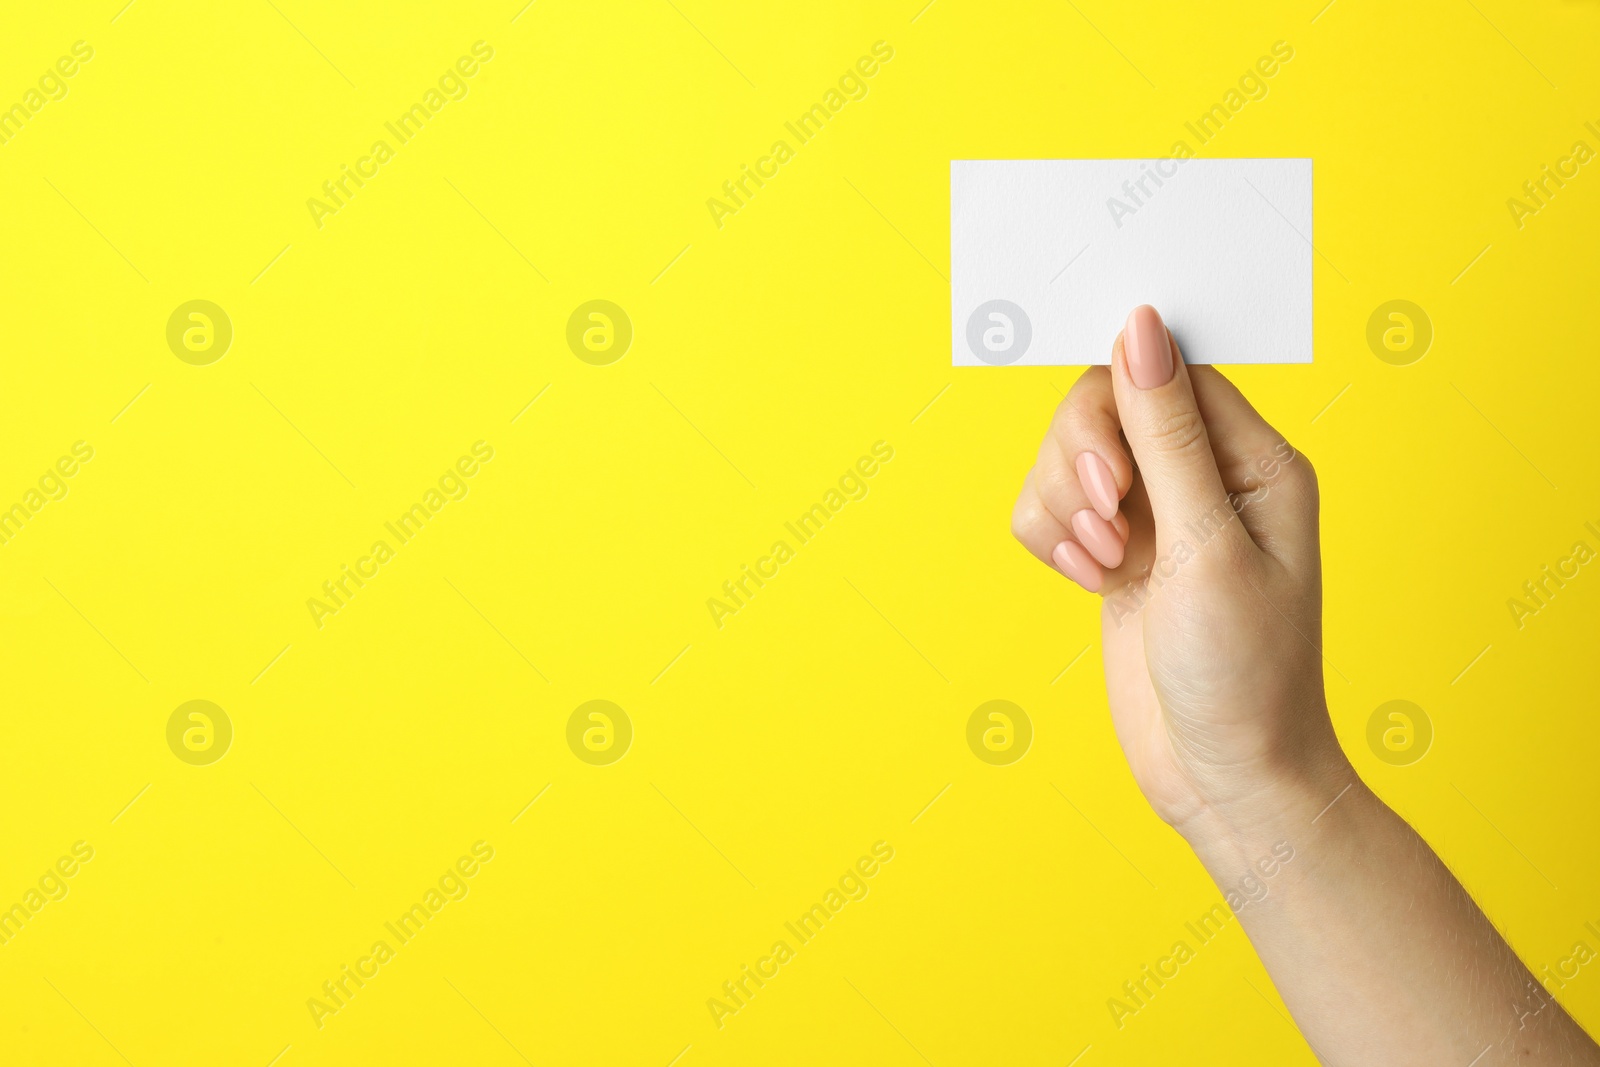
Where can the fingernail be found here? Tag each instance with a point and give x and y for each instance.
(1099, 537)
(1078, 565)
(1095, 474)
(1120, 521)
(1144, 339)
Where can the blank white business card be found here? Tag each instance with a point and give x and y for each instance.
(1048, 256)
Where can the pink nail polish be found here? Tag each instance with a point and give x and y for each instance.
(1120, 521)
(1095, 475)
(1078, 565)
(1099, 537)
(1144, 339)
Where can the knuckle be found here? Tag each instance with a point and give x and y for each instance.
(1026, 516)
(1019, 525)
(1084, 404)
(1057, 484)
(1178, 432)
(1069, 420)
(1308, 480)
(1095, 377)
(1072, 427)
(1093, 383)
(1299, 470)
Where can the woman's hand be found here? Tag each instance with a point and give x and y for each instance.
(1161, 489)
(1203, 545)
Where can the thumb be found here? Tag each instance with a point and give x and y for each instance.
(1164, 427)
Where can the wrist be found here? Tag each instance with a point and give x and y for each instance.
(1289, 804)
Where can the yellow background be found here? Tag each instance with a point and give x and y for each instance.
(828, 713)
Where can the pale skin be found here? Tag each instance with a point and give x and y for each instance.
(1196, 523)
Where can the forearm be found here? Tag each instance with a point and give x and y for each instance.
(1378, 951)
